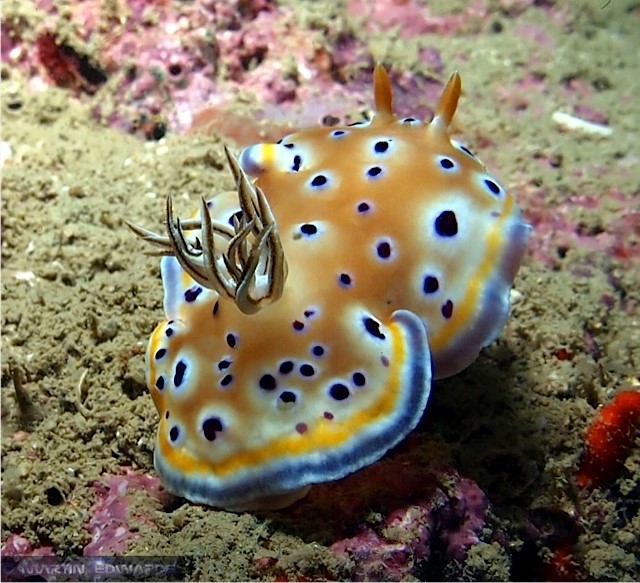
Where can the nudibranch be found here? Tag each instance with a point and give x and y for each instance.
(308, 311)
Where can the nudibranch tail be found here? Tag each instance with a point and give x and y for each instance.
(264, 456)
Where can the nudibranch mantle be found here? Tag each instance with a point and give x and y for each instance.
(307, 313)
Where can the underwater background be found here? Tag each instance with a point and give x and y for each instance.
(526, 466)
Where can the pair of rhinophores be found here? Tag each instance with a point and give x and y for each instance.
(308, 311)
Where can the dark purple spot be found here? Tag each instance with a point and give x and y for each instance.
(210, 427)
(384, 360)
(286, 367)
(374, 171)
(381, 147)
(174, 433)
(288, 397)
(226, 380)
(384, 250)
(447, 163)
(297, 325)
(309, 313)
(317, 350)
(345, 279)
(297, 161)
(268, 381)
(339, 391)
(160, 353)
(466, 150)
(237, 215)
(328, 415)
(447, 309)
(191, 294)
(492, 186)
(216, 308)
(160, 383)
(178, 376)
(319, 180)
(169, 332)
(358, 379)
(446, 224)
(373, 328)
(231, 340)
(308, 229)
(224, 364)
(364, 207)
(337, 133)
(306, 370)
(430, 284)
(289, 146)
(301, 428)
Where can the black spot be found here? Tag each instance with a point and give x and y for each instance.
(306, 370)
(166, 414)
(286, 367)
(466, 150)
(408, 120)
(231, 340)
(355, 123)
(447, 309)
(297, 161)
(374, 171)
(338, 133)
(384, 250)
(309, 313)
(169, 332)
(308, 229)
(160, 353)
(279, 141)
(430, 284)
(492, 186)
(210, 427)
(339, 391)
(160, 383)
(289, 145)
(288, 397)
(268, 381)
(216, 308)
(174, 433)
(317, 350)
(319, 180)
(297, 325)
(345, 279)
(191, 294)
(224, 364)
(226, 380)
(447, 163)
(373, 328)
(364, 207)
(358, 379)
(178, 376)
(381, 147)
(237, 215)
(446, 224)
